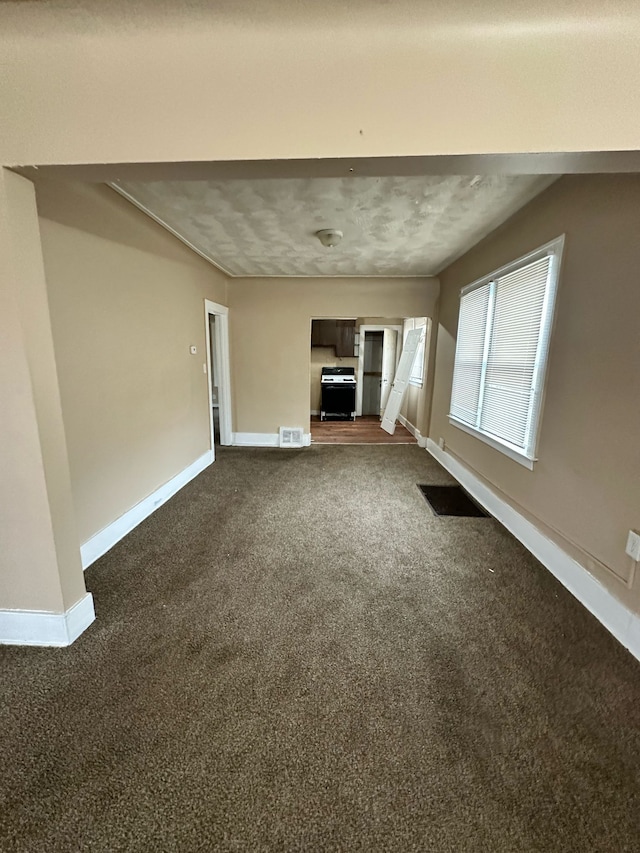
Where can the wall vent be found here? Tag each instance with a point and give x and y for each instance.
(291, 437)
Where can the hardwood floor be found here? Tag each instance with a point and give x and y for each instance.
(364, 430)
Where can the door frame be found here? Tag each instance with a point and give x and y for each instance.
(362, 330)
(223, 368)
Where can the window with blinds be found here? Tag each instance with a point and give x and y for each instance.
(501, 352)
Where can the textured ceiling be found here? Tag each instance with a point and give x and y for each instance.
(393, 226)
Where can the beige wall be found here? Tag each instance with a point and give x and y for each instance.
(412, 404)
(235, 81)
(127, 302)
(379, 321)
(270, 329)
(584, 490)
(39, 556)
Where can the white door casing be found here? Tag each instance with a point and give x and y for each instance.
(401, 381)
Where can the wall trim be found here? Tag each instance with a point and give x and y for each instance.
(611, 613)
(422, 441)
(263, 439)
(42, 628)
(106, 538)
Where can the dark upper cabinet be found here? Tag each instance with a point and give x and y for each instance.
(345, 338)
(334, 333)
(323, 333)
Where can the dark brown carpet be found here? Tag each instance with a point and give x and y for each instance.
(292, 655)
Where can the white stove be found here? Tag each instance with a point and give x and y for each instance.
(338, 386)
(338, 380)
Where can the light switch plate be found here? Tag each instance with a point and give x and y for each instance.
(193, 350)
(633, 545)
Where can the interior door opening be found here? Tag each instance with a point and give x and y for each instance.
(337, 364)
(213, 381)
(372, 373)
(379, 368)
(218, 374)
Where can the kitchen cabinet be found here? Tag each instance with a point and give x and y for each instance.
(345, 338)
(339, 334)
(323, 333)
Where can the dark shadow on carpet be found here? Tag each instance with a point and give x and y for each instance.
(451, 500)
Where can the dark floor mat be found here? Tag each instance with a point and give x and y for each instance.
(451, 500)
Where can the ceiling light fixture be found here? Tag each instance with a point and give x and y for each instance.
(329, 237)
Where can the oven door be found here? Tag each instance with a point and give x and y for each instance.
(338, 400)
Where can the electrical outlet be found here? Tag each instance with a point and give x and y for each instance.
(441, 443)
(633, 545)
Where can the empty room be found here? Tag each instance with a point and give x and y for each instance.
(320, 518)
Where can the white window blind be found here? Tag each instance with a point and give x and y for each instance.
(501, 351)
(467, 375)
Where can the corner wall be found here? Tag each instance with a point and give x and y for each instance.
(126, 302)
(584, 491)
(40, 571)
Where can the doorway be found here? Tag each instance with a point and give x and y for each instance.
(214, 380)
(218, 373)
(372, 373)
(339, 345)
(380, 349)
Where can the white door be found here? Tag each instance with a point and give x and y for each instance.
(389, 341)
(394, 404)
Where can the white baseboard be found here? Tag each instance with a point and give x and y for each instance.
(263, 439)
(106, 538)
(314, 412)
(40, 628)
(256, 439)
(614, 616)
(422, 441)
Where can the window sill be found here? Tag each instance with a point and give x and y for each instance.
(415, 383)
(516, 455)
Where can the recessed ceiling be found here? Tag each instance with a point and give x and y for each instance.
(392, 226)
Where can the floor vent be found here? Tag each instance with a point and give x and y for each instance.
(291, 437)
(451, 500)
